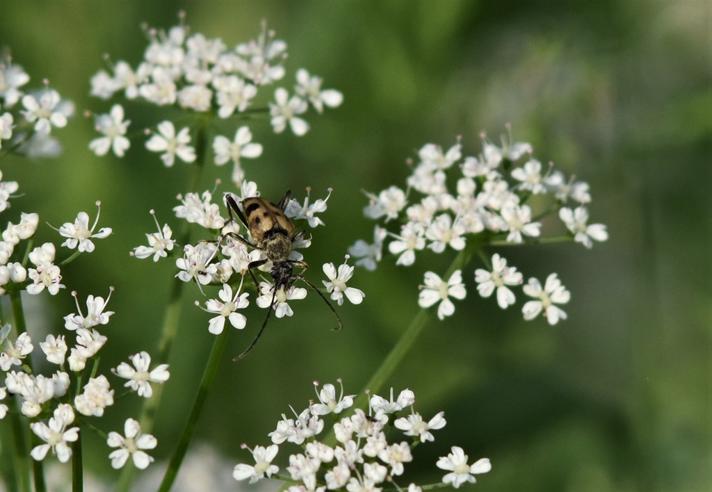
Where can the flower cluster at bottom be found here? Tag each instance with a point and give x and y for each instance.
(363, 451)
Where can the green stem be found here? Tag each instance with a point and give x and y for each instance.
(70, 258)
(38, 474)
(171, 315)
(77, 473)
(542, 240)
(206, 382)
(22, 455)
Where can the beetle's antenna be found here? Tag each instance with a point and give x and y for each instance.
(244, 353)
(339, 324)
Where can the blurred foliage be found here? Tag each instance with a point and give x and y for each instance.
(617, 92)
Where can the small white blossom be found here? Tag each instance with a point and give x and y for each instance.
(437, 290)
(171, 144)
(113, 128)
(55, 434)
(285, 111)
(199, 209)
(3, 407)
(133, 444)
(499, 278)
(233, 94)
(281, 308)
(96, 396)
(395, 455)
(262, 468)
(309, 87)
(25, 229)
(414, 425)
(388, 204)
(328, 402)
(225, 307)
(15, 353)
(336, 283)
(433, 156)
(54, 348)
(195, 263)
(410, 240)
(308, 211)
(378, 404)
(6, 125)
(369, 255)
(12, 78)
(576, 221)
(140, 375)
(45, 274)
(530, 176)
(519, 222)
(44, 111)
(95, 316)
(547, 299)
(241, 146)
(446, 232)
(460, 471)
(159, 242)
(88, 343)
(79, 235)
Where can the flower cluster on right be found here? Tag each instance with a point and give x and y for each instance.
(365, 450)
(500, 197)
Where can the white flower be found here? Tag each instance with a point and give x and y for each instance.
(303, 468)
(286, 111)
(369, 255)
(79, 235)
(159, 243)
(161, 90)
(233, 94)
(12, 77)
(45, 274)
(195, 97)
(309, 87)
(433, 156)
(226, 307)
(395, 455)
(263, 466)
(24, 230)
(460, 471)
(338, 476)
(3, 407)
(577, 222)
(519, 222)
(564, 189)
(132, 444)
(388, 204)
(281, 308)
(328, 402)
(241, 146)
(547, 299)
(55, 434)
(15, 353)
(97, 395)
(437, 290)
(336, 283)
(410, 240)
(530, 176)
(44, 112)
(113, 128)
(308, 211)
(195, 263)
(170, 144)
(7, 188)
(445, 232)
(95, 313)
(54, 348)
(414, 425)
(499, 278)
(379, 404)
(88, 343)
(140, 375)
(6, 126)
(36, 390)
(199, 209)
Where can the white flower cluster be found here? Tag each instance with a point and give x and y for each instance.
(27, 117)
(204, 75)
(57, 403)
(500, 197)
(367, 449)
(227, 260)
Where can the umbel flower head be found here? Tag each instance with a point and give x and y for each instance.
(28, 116)
(231, 265)
(198, 74)
(364, 449)
(459, 204)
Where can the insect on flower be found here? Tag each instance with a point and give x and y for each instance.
(273, 233)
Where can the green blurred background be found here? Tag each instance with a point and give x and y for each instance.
(618, 92)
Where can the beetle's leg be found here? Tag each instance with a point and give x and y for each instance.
(339, 324)
(244, 353)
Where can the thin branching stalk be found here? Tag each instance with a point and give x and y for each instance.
(206, 382)
(172, 313)
(22, 454)
(77, 471)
